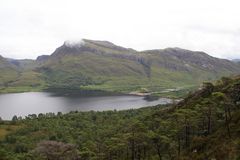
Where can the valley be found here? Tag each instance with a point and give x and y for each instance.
(104, 66)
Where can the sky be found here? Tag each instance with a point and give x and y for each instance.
(29, 28)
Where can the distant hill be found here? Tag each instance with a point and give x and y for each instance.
(8, 72)
(23, 64)
(102, 65)
(18, 75)
(236, 60)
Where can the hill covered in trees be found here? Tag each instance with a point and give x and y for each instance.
(102, 65)
(205, 125)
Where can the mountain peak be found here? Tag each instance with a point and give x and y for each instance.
(99, 42)
(107, 44)
(93, 46)
(82, 42)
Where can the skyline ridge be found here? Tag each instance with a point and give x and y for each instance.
(81, 43)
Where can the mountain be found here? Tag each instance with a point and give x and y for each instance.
(18, 75)
(42, 58)
(102, 65)
(236, 60)
(8, 72)
(106, 66)
(23, 64)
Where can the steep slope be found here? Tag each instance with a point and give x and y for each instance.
(23, 64)
(8, 72)
(236, 60)
(93, 63)
(102, 65)
(196, 59)
(18, 75)
(42, 59)
(198, 65)
(206, 123)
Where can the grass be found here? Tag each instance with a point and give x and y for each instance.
(8, 128)
(181, 93)
(20, 89)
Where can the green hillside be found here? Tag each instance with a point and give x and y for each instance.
(205, 125)
(8, 73)
(102, 65)
(19, 76)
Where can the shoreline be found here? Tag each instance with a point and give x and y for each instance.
(85, 92)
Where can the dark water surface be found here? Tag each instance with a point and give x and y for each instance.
(22, 104)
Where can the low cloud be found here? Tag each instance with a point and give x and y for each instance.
(74, 43)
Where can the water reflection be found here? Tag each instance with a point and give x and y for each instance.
(22, 104)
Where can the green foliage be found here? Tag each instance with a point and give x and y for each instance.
(205, 125)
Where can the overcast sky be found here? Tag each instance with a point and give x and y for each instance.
(29, 28)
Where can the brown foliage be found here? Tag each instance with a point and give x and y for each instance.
(52, 150)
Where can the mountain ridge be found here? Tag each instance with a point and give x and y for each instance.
(102, 65)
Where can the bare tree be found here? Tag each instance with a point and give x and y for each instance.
(52, 150)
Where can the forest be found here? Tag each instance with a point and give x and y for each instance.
(203, 126)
